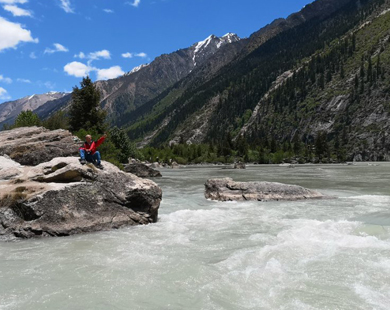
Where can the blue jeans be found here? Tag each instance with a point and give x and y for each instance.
(95, 158)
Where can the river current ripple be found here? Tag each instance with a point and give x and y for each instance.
(318, 254)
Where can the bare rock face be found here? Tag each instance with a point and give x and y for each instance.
(34, 145)
(62, 198)
(142, 171)
(228, 190)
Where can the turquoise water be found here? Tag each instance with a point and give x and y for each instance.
(319, 254)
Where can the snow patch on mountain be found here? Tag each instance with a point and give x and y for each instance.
(136, 69)
(210, 45)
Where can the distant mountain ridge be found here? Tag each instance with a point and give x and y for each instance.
(11, 109)
(129, 92)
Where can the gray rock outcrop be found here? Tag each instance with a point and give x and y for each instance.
(34, 145)
(62, 198)
(142, 171)
(228, 190)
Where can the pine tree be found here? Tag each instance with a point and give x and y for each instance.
(369, 71)
(378, 66)
(356, 82)
(321, 81)
(123, 143)
(321, 145)
(362, 72)
(27, 119)
(85, 111)
(58, 120)
(297, 144)
(328, 76)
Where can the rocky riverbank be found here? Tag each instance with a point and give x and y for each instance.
(61, 197)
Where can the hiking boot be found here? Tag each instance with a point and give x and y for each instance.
(83, 161)
(99, 166)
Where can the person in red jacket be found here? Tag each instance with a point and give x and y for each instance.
(88, 152)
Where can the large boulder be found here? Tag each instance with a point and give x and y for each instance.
(62, 197)
(142, 171)
(228, 190)
(35, 145)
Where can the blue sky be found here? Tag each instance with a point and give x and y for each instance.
(48, 45)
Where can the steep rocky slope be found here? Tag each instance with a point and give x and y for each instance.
(322, 73)
(215, 77)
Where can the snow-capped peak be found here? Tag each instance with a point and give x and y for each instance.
(231, 37)
(136, 69)
(211, 44)
(204, 43)
(229, 34)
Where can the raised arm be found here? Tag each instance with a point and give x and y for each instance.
(101, 140)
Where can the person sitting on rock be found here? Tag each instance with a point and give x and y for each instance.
(88, 152)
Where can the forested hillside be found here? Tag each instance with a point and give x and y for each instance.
(319, 88)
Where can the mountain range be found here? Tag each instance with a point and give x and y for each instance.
(323, 72)
(10, 110)
(130, 91)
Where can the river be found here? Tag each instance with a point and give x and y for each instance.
(318, 254)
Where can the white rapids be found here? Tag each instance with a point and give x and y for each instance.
(317, 254)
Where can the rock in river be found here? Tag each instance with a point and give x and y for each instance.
(239, 165)
(62, 197)
(228, 190)
(35, 145)
(142, 171)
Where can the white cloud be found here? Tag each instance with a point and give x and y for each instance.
(77, 69)
(5, 79)
(110, 73)
(105, 54)
(4, 94)
(66, 6)
(24, 81)
(142, 55)
(99, 54)
(131, 55)
(16, 11)
(80, 55)
(13, 1)
(127, 55)
(57, 48)
(11, 34)
(33, 56)
(108, 11)
(135, 3)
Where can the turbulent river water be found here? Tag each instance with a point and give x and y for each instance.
(318, 254)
